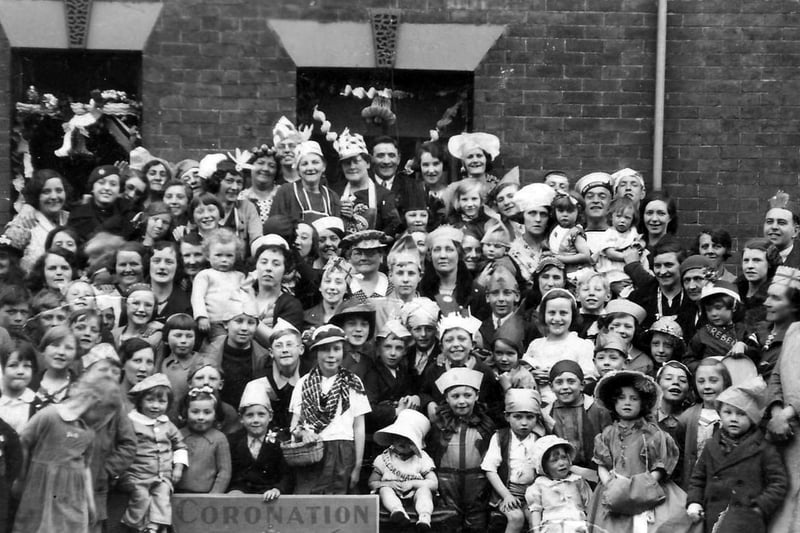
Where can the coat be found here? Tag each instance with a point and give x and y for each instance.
(686, 437)
(255, 476)
(384, 390)
(752, 474)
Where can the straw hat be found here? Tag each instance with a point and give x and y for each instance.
(355, 308)
(644, 385)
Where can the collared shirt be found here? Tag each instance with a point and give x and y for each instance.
(281, 381)
(421, 360)
(387, 184)
(254, 445)
(785, 253)
(520, 458)
(16, 411)
(499, 321)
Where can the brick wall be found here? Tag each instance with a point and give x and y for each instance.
(569, 85)
(5, 128)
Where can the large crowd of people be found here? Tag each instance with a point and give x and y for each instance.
(478, 352)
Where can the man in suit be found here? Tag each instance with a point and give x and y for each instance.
(385, 163)
(781, 226)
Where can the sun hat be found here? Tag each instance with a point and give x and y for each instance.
(459, 145)
(610, 383)
(410, 424)
(545, 444)
(354, 308)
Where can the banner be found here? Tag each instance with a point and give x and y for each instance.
(224, 513)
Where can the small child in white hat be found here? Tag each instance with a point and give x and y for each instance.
(404, 470)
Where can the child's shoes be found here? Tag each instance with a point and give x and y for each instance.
(424, 523)
(400, 518)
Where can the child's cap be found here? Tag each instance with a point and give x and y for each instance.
(606, 388)
(544, 445)
(241, 302)
(534, 195)
(281, 328)
(666, 325)
(592, 180)
(326, 334)
(523, 401)
(626, 173)
(566, 365)
(610, 341)
(720, 287)
(420, 311)
(456, 377)
(151, 382)
(270, 239)
(100, 352)
(496, 233)
(409, 424)
(470, 324)
(394, 327)
(620, 305)
(747, 396)
(255, 393)
(695, 261)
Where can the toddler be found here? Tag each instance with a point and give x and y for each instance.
(721, 335)
(79, 294)
(257, 465)
(567, 239)
(558, 499)
(494, 247)
(209, 470)
(739, 480)
(213, 288)
(620, 237)
(404, 471)
(507, 461)
(161, 457)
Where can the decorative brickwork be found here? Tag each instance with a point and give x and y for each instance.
(78, 12)
(384, 36)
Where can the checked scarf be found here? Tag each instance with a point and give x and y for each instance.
(319, 409)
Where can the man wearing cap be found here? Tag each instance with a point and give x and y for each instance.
(629, 183)
(781, 226)
(365, 204)
(596, 189)
(663, 294)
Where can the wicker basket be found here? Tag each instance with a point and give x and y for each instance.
(302, 454)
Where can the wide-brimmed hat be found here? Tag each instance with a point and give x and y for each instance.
(594, 179)
(544, 445)
(368, 239)
(410, 424)
(459, 145)
(355, 308)
(641, 383)
(534, 195)
(326, 334)
(456, 377)
(621, 305)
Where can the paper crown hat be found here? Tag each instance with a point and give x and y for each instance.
(284, 129)
(304, 149)
(496, 232)
(456, 377)
(470, 324)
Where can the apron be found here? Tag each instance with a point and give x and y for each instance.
(308, 214)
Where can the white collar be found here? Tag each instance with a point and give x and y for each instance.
(136, 416)
(380, 288)
(785, 252)
(281, 381)
(27, 396)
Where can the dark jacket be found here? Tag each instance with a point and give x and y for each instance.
(646, 295)
(752, 474)
(88, 219)
(491, 394)
(686, 438)
(256, 476)
(384, 390)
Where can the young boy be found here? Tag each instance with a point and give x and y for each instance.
(462, 484)
(738, 471)
(507, 461)
(405, 273)
(420, 316)
(257, 463)
(502, 294)
(594, 293)
(610, 353)
(574, 416)
(15, 307)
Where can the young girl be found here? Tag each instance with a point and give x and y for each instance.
(18, 366)
(665, 338)
(209, 468)
(329, 403)
(206, 372)
(257, 464)
(457, 443)
(740, 480)
(465, 210)
(558, 311)
(507, 461)
(59, 351)
(567, 239)
(624, 318)
(621, 236)
(721, 335)
(404, 471)
(57, 445)
(357, 320)
(179, 354)
(700, 422)
(140, 309)
(558, 499)
(507, 364)
(213, 287)
(161, 457)
(634, 446)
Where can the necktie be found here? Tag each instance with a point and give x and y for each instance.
(255, 447)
